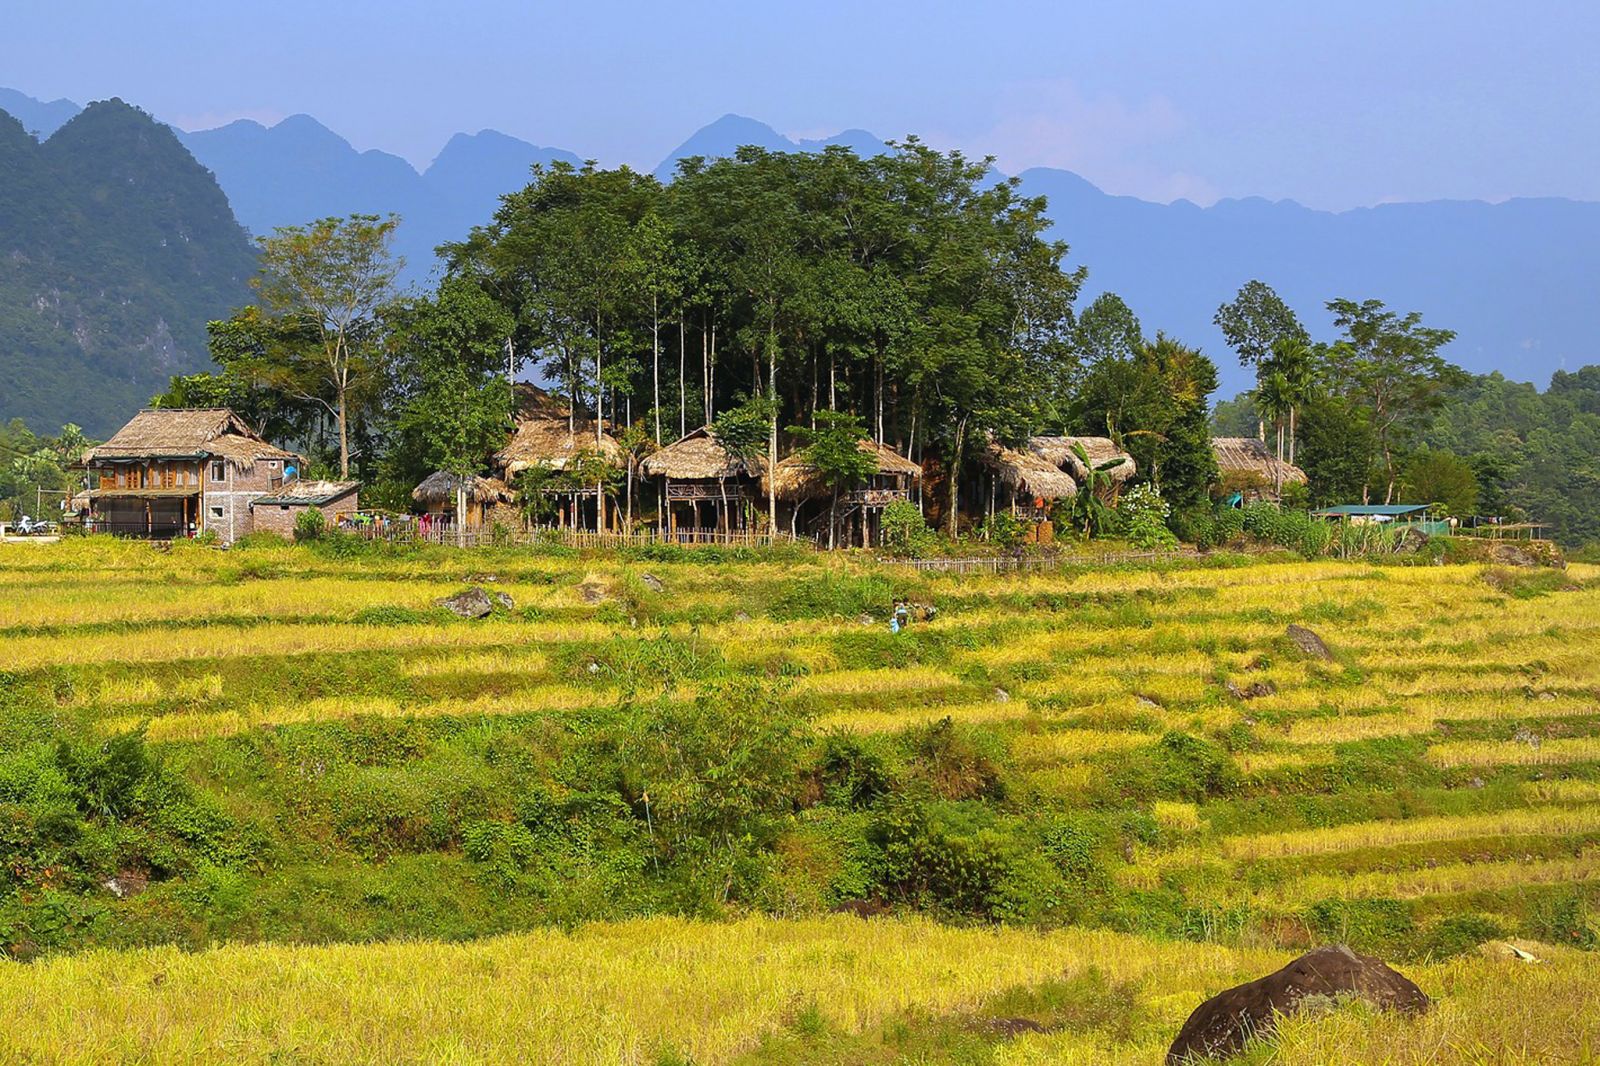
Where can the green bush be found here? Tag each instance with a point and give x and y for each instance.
(1378, 926)
(505, 850)
(1005, 531)
(851, 771)
(1459, 934)
(835, 594)
(905, 532)
(309, 524)
(1144, 519)
(949, 855)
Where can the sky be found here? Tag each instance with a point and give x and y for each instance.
(1334, 105)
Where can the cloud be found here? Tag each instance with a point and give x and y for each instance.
(1108, 140)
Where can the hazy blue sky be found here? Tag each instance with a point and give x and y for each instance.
(1333, 104)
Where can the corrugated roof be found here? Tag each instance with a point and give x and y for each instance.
(308, 493)
(1389, 510)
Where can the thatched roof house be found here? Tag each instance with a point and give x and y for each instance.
(698, 457)
(1247, 465)
(553, 443)
(438, 490)
(173, 434)
(796, 479)
(1028, 474)
(1059, 451)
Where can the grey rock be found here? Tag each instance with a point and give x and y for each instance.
(1309, 643)
(651, 582)
(472, 602)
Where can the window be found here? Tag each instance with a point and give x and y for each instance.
(218, 472)
(283, 507)
(216, 510)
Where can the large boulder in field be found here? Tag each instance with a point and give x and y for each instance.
(473, 602)
(1309, 643)
(1220, 1026)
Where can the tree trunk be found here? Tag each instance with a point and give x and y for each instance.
(683, 386)
(461, 511)
(1293, 411)
(655, 360)
(344, 436)
(953, 471)
(772, 437)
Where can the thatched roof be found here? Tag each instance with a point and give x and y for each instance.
(310, 493)
(530, 401)
(549, 442)
(699, 457)
(797, 479)
(440, 487)
(186, 433)
(1247, 455)
(1058, 451)
(1029, 473)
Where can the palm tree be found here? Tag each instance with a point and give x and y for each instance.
(1296, 362)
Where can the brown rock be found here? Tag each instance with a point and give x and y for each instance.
(1222, 1024)
(1254, 690)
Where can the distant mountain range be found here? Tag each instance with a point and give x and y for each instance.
(116, 248)
(1516, 280)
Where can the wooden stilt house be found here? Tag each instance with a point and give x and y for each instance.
(704, 489)
(1027, 484)
(571, 462)
(1107, 463)
(178, 472)
(809, 506)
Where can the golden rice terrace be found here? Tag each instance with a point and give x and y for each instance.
(275, 804)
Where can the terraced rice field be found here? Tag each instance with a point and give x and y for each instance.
(1435, 785)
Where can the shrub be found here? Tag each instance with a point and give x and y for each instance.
(839, 595)
(1459, 934)
(1005, 530)
(850, 771)
(905, 531)
(309, 524)
(1144, 519)
(504, 850)
(1379, 926)
(955, 762)
(952, 855)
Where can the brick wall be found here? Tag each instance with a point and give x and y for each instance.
(274, 518)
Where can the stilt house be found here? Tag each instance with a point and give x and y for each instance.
(704, 488)
(813, 510)
(180, 472)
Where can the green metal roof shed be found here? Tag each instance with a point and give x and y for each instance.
(1371, 510)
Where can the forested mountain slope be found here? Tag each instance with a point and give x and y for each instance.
(116, 248)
